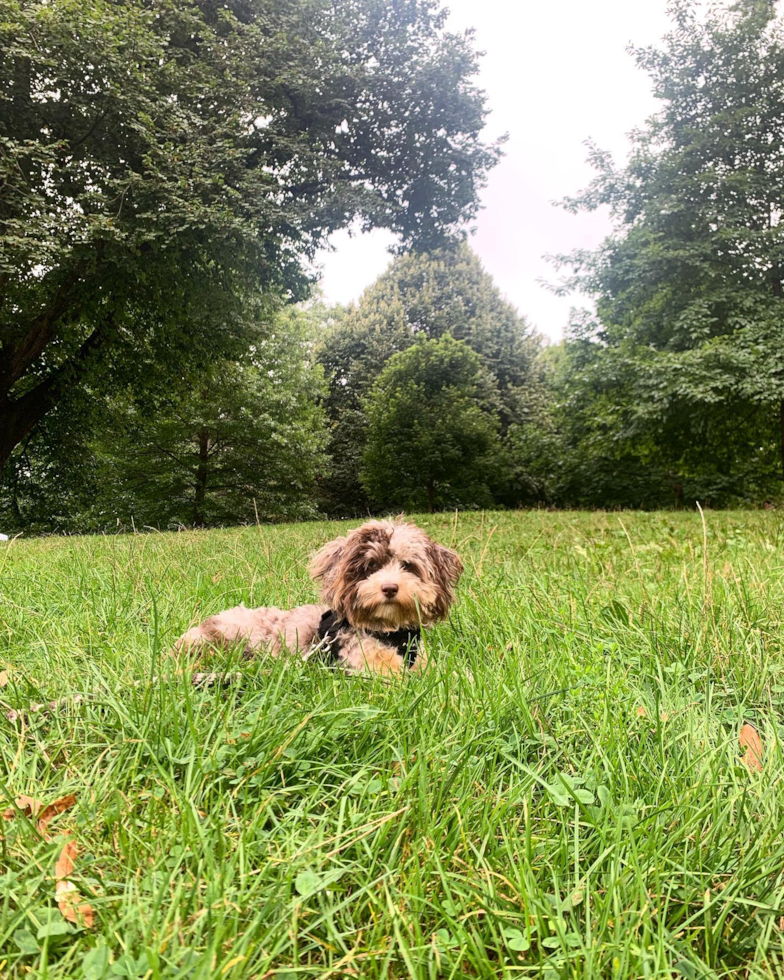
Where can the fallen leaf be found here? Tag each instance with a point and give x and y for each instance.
(50, 812)
(641, 712)
(308, 882)
(69, 901)
(26, 804)
(750, 741)
(3, 678)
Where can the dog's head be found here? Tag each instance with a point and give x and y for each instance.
(387, 575)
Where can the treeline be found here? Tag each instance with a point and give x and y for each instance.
(156, 371)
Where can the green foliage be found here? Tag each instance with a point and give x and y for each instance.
(422, 296)
(583, 452)
(684, 372)
(157, 163)
(434, 294)
(432, 437)
(230, 442)
(509, 812)
(239, 441)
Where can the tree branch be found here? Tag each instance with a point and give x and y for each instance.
(21, 355)
(19, 416)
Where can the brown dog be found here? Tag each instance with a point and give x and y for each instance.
(379, 585)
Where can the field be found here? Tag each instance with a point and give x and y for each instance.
(561, 794)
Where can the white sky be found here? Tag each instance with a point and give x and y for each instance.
(555, 75)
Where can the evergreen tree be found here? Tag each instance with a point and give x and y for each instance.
(422, 296)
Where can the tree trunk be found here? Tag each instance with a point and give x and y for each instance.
(22, 354)
(200, 494)
(677, 488)
(19, 416)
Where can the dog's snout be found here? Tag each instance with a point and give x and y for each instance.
(390, 589)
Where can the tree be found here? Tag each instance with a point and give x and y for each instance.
(159, 161)
(583, 452)
(445, 292)
(433, 426)
(431, 294)
(234, 441)
(687, 362)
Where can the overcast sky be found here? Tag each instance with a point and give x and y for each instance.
(555, 74)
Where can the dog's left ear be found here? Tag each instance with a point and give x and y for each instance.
(446, 562)
(324, 566)
(447, 569)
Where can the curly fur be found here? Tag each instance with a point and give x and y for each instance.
(383, 576)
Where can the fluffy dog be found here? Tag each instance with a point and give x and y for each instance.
(379, 585)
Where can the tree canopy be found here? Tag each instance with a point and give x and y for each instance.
(686, 367)
(158, 160)
(236, 440)
(423, 295)
(428, 295)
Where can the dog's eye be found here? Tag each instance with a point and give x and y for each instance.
(408, 567)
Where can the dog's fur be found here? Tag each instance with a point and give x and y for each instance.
(353, 572)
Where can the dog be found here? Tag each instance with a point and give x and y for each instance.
(379, 585)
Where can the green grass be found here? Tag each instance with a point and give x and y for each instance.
(507, 813)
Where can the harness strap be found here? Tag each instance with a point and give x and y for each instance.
(405, 641)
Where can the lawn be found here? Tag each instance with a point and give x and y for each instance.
(561, 794)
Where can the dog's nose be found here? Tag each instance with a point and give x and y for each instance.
(389, 589)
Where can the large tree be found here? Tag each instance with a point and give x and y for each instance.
(433, 424)
(687, 365)
(445, 292)
(156, 157)
(428, 295)
(236, 441)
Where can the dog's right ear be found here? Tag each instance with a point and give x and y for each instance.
(324, 566)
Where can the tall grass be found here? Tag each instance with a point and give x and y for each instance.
(561, 794)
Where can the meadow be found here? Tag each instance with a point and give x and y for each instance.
(561, 794)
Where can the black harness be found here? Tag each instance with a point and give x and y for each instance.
(405, 641)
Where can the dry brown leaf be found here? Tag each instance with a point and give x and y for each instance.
(69, 901)
(50, 812)
(641, 712)
(3, 678)
(26, 804)
(750, 741)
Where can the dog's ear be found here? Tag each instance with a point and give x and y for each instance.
(447, 569)
(324, 566)
(446, 563)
